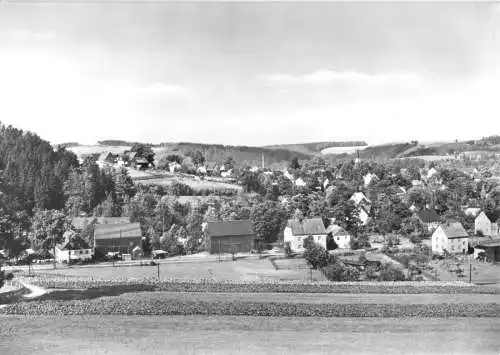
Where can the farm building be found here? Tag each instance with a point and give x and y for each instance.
(484, 225)
(451, 237)
(491, 249)
(229, 236)
(117, 237)
(339, 235)
(429, 218)
(296, 231)
(73, 249)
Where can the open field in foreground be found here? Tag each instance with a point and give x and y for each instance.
(246, 335)
(242, 270)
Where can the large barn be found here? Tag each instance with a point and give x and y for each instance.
(229, 236)
(121, 237)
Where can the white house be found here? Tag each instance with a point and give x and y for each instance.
(174, 166)
(296, 231)
(416, 183)
(339, 235)
(73, 249)
(202, 170)
(325, 183)
(431, 173)
(360, 198)
(254, 169)
(368, 178)
(288, 175)
(451, 237)
(363, 215)
(482, 223)
(300, 182)
(226, 174)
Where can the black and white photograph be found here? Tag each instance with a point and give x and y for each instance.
(249, 177)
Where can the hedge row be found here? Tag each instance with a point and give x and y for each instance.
(153, 304)
(259, 287)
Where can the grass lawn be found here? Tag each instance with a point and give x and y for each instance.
(240, 270)
(245, 335)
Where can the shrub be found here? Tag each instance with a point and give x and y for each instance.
(339, 272)
(389, 272)
(416, 239)
(317, 256)
(308, 242)
(371, 272)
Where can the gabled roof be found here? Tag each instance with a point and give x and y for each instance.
(483, 215)
(81, 222)
(111, 231)
(104, 156)
(454, 230)
(307, 227)
(477, 240)
(229, 228)
(75, 243)
(428, 216)
(358, 197)
(335, 229)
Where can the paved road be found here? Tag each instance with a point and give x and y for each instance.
(246, 335)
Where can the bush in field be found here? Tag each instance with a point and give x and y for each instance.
(340, 272)
(390, 272)
(317, 256)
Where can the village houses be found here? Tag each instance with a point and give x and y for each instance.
(450, 237)
(296, 231)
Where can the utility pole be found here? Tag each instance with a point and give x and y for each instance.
(470, 272)
(54, 246)
(219, 251)
(263, 161)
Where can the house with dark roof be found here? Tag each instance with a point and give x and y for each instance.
(429, 218)
(296, 231)
(229, 236)
(120, 237)
(451, 237)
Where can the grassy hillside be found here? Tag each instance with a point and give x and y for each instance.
(315, 148)
(241, 154)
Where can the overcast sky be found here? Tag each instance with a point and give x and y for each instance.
(251, 73)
